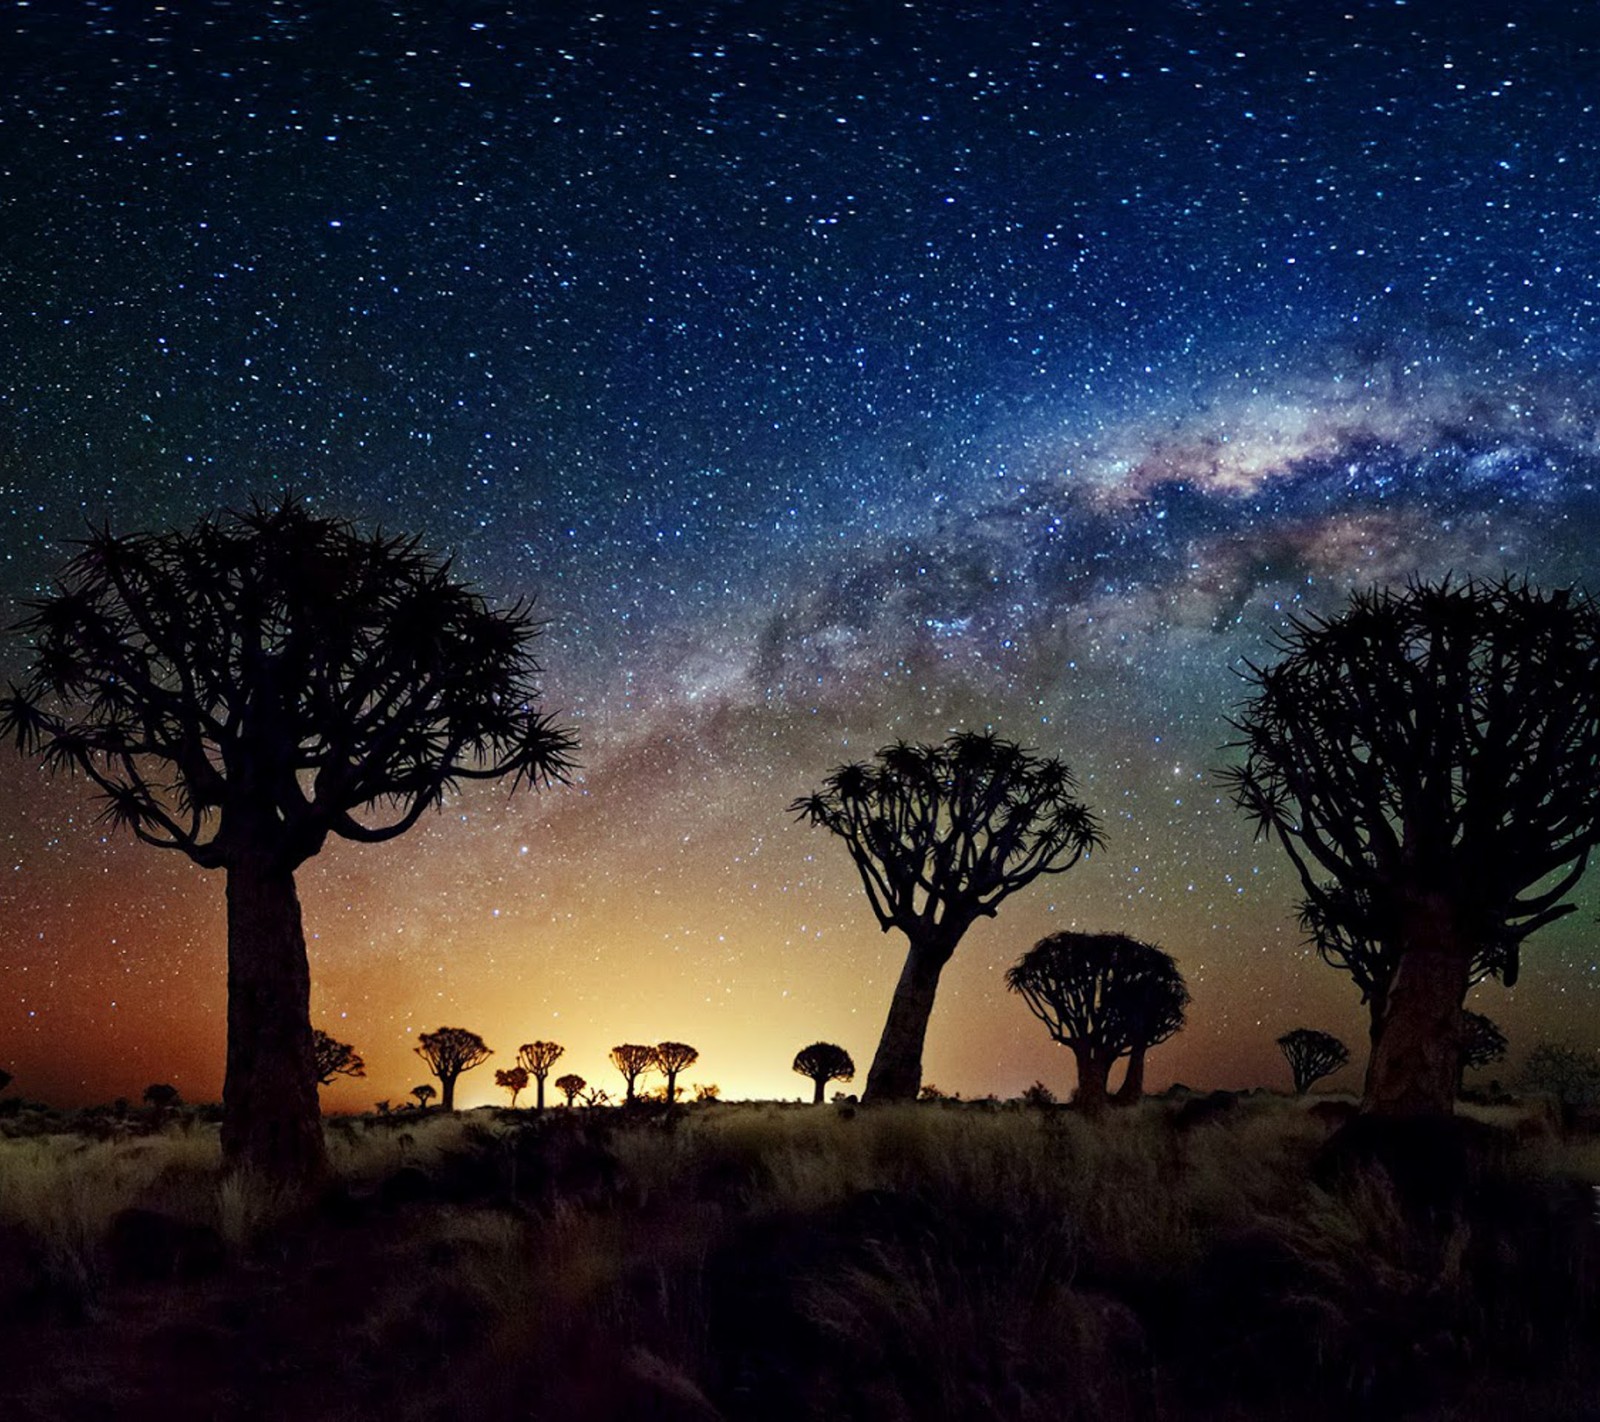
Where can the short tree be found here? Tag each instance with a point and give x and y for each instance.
(1433, 753)
(424, 1094)
(161, 1096)
(242, 690)
(330, 1058)
(571, 1086)
(513, 1079)
(671, 1058)
(940, 836)
(1311, 1055)
(449, 1052)
(706, 1091)
(536, 1058)
(824, 1062)
(633, 1060)
(1091, 990)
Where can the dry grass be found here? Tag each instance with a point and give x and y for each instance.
(926, 1262)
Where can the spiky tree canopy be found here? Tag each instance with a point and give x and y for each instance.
(274, 668)
(512, 1079)
(538, 1057)
(1106, 990)
(1442, 738)
(570, 1085)
(633, 1059)
(333, 1058)
(940, 834)
(1482, 1041)
(824, 1062)
(449, 1051)
(1311, 1055)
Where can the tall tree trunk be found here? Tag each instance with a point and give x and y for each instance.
(672, 1087)
(540, 1080)
(1132, 1088)
(817, 1099)
(896, 1073)
(1093, 1069)
(1416, 1055)
(271, 1120)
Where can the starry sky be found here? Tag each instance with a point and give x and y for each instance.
(831, 373)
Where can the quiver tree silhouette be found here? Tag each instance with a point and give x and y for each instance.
(1432, 752)
(1482, 1042)
(671, 1058)
(424, 1095)
(161, 1097)
(448, 1052)
(1094, 991)
(633, 1059)
(941, 835)
(1311, 1055)
(1154, 1010)
(330, 1058)
(513, 1079)
(241, 690)
(536, 1058)
(824, 1062)
(571, 1086)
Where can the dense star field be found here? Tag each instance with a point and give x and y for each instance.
(830, 373)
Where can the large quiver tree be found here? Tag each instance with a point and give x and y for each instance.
(941, 835)
(239, 691)
(1428, 760)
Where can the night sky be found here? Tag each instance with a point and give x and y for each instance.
(830, 373)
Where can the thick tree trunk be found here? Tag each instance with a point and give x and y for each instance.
(271, 1120)
(896, 1073)
(817, 1099)
(672, 1087)
(447, 1093)
(1093, 1069)
(540, 1081)
(1132, 1088)
(1417, 1052)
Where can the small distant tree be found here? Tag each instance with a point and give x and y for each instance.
(671, 1058)
(1566, 1072)
(536, 1058)
(1312, 1055)
(595, 1096)
(424, 1095)
(633, 1060)
(449, 1052)
(941, 835)
(245, 689)
(930, 1092)
(383, 1108)
(571, 1086)
(706, 1091)
(1093, 991)
(1038, 1096)
(513, 1079)
(331, 1058)
(1482, 1041)
(161, 1096)
(824, 1062)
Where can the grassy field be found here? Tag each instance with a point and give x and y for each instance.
(1184, 1259)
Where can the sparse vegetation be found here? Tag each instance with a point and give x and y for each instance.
(756, 1262)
